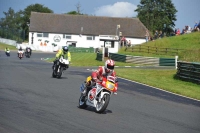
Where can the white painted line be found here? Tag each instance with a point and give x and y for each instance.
(157, 88)
(160, 89)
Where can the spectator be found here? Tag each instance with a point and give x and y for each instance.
(151, 38)
(183, 31)
(147, 36)
(178, 32)
(123, 41)
(156, 35)
(195, 27)
(160, 34)
(129, 43)
(175, 31)
(198, 26)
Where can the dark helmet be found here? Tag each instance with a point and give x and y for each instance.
(65, 49)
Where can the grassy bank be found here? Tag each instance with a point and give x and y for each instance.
(3, 46)
(190, 43)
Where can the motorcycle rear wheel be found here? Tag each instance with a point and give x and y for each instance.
(82, 102)
(102, 105)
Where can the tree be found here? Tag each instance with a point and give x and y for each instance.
(15, 21)
(11, 20)
(157, 14)
(10, 26)
(78, 12)
(27, 12)
(73, 13)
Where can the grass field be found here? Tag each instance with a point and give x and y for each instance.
(163, 79)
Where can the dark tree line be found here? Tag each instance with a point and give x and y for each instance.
(154, 14)
(18, 21)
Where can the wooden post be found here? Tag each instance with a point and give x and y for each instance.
(176, 60)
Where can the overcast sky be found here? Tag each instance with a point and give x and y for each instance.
(188, 10)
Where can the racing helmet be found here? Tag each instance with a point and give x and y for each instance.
(109, 65)
(65, 48)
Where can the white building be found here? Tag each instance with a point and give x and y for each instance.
(49, 32)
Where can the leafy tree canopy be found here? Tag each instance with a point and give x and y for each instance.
(74, 13)
(157, 14)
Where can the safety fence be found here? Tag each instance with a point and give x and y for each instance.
(188, 71)
(141, 60)
(153, 50)
(81, 50)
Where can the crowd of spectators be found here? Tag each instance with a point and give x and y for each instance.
(159, 34)
(187, 29)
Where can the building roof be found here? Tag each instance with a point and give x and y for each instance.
(86, 25)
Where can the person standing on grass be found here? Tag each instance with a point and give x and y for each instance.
(147, 36)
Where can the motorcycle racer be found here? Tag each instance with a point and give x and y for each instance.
(20, 49)
(96, 76)
(7, 49)
(62, 52)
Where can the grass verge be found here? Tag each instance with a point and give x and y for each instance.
(160, 78)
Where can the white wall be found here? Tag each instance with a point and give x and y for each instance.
(80, 39)
(8, 41)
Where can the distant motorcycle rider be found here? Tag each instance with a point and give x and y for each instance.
(62, 52)
(6, 50)
(28, 48)
(97, 76)
(20, 49)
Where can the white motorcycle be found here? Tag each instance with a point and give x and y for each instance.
(99, 96)
(20, 54)
(62, 65)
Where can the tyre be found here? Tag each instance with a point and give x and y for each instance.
(102, 105)
(60, 72)
(28, 55)
(53, 74)
(82, 102)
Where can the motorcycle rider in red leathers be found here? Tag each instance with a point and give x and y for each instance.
(97, 76)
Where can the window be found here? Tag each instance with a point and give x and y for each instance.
(43, 35)
(39, 34)
(90, 37)
(67, 36)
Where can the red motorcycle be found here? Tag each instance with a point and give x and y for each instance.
(99, 95)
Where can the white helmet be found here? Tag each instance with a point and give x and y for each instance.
(109, 65)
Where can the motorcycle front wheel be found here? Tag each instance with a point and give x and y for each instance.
(59, 74)
(82, 102)
(102, 105)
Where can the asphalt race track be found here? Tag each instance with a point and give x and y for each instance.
(31, 101)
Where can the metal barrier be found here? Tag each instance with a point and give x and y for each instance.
(188, 71)
(99, 56)
(141, 60)
(81, 50)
